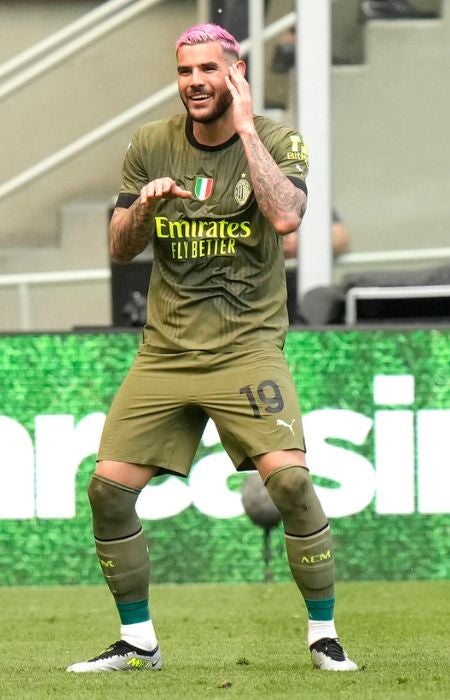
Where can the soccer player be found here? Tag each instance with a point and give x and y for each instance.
(215, 189)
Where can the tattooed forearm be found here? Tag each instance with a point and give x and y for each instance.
(280, 201)
(129, 232)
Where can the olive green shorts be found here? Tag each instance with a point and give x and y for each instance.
(159, 413)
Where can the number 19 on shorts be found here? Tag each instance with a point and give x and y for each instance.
(269, 395)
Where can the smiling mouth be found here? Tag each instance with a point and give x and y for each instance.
(199, 98)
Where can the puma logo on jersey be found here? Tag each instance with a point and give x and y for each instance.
(287, 425)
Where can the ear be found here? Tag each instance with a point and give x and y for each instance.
(241, 66)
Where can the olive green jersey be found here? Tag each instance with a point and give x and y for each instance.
(218, 277)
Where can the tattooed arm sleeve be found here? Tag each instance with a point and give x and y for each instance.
(280, 200)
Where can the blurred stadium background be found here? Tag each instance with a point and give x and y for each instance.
(70, 103)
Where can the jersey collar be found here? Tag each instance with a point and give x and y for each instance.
(193, 141)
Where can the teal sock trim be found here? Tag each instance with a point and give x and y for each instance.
(130, 613)
(320, 609)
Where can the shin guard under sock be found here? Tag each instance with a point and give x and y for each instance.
(119, 539)
(126, 567)
(308, 539)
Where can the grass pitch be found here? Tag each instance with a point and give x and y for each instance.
(230, 641)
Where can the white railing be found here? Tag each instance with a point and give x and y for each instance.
(84, 142)
(384, 257)
(86, 30)
(23, 281)
(89, 36)
(392, 256)
(96, 135)
(108, 17)
(62, 35)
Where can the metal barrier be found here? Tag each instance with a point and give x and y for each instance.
(24, 280)
(392, 256)
(414, 292)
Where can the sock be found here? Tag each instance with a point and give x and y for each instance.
(307, 534)
(125, 566)
(140, 634)
(311, 561)
(119, 540)
(308, 544)
(137, 628)
(318, 630)
(123, 555)
(320, 622)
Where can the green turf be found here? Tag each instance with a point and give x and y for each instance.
(230, 641)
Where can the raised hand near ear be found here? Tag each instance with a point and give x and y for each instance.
(242, 105)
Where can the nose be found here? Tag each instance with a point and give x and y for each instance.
(196, 77)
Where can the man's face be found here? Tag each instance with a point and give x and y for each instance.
(201, 81)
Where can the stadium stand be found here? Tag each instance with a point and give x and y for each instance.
(391, 150)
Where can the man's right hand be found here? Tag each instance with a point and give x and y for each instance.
(130, 229)
(162, 188)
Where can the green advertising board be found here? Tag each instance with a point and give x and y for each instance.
(376, 407)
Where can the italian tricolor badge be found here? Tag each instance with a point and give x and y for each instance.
(203, 187)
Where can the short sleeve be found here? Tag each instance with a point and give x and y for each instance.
(290, 153)
(134, 175)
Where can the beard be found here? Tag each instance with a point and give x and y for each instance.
(219, 109)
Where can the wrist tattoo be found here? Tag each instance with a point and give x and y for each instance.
(129, 232)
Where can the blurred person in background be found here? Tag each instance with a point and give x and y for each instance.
(340, 241)
(391, 9)
(283, 59)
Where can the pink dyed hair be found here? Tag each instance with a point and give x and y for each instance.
(202, 33)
